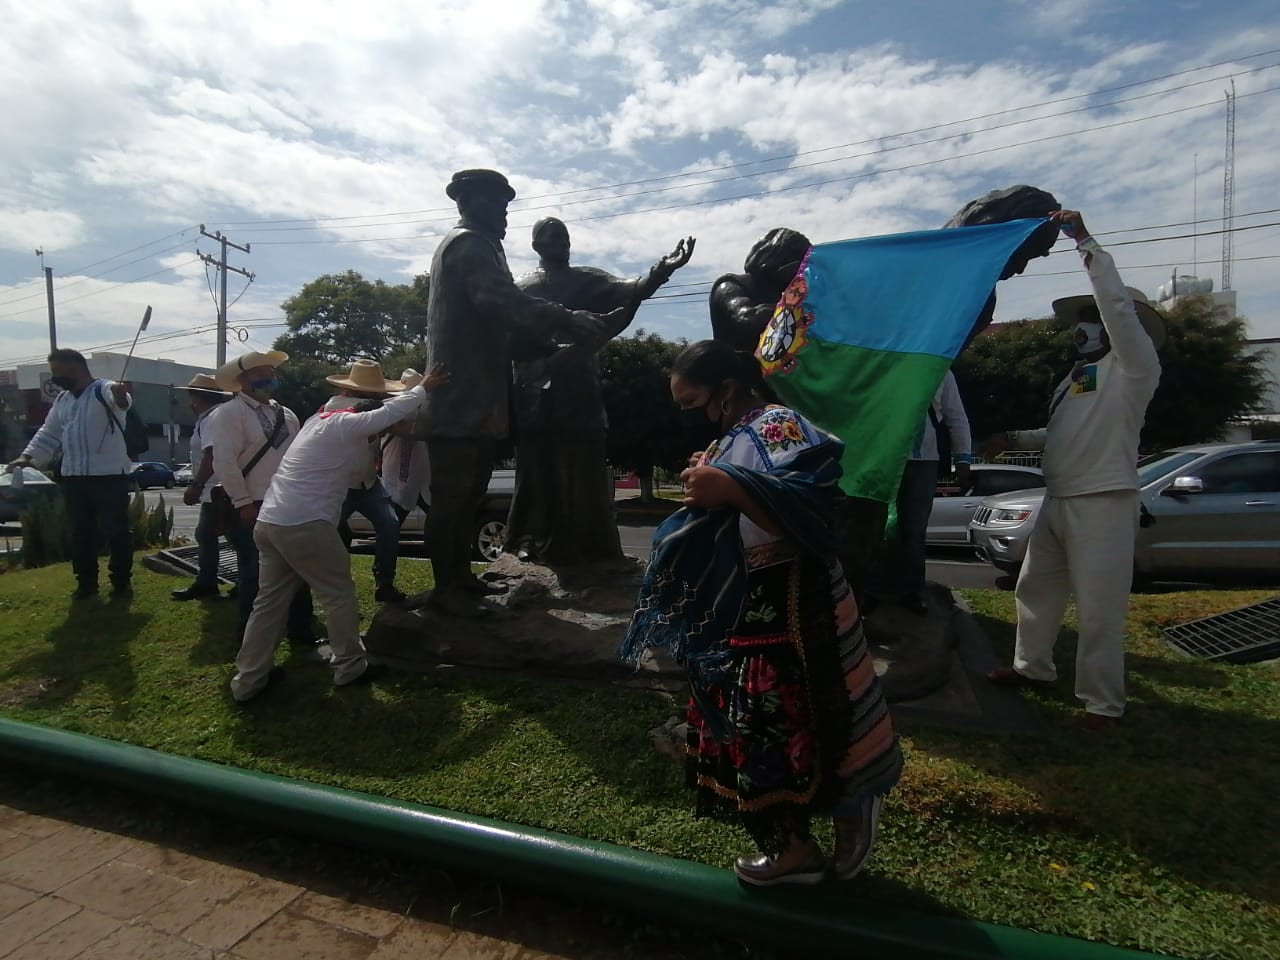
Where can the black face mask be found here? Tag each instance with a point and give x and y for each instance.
(66, 383)
(699, 429)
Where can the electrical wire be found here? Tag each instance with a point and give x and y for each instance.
(114, 286)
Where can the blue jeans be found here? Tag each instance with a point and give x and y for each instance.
(299, 625)
(207, 543)
(374, 504)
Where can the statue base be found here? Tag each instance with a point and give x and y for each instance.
(557, 621)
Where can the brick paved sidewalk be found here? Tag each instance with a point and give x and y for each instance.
(70, 891)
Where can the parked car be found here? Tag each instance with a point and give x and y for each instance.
(153, 474)
(13, 500)
(1212, 512)
(184, 473)
(953, 508)
(491, 527)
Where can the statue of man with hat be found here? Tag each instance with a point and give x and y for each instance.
(562, 511)
(473, 312)
(1083, 541)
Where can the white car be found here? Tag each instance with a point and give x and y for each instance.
(954, 508)
(491, 526)
(184, 474)
(1210, 511)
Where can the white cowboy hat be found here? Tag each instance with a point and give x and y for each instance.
(228, 375)
(204, 383)
(366, 377)
(1068, 309)
(410, 378)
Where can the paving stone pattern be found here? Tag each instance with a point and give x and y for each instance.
(70, 892)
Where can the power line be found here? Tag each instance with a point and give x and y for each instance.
(790, 156)
(783, 170)
(114, 286)
(101, 273)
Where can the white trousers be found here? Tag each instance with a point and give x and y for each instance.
(1081, 547)
(313, 552)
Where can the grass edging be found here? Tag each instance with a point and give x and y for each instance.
(686, 892)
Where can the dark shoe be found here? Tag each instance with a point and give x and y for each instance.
(274, 676)
(122, 591)
(84, 592)
(855, 839)
(374, 671)
(1009, 677)
(306, 640)
(914, 603)
(762, 870)
(1097, 723)
(193, 592)
(456, 603)
(388, 593)
(484, 588)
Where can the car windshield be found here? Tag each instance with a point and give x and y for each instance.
(1158, 465)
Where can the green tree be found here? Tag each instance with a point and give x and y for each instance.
(644, 427)
(1208, 376)
(339, 317)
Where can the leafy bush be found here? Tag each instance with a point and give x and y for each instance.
(150, 528)
(46, 532)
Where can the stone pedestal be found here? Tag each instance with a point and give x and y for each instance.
(557, 621)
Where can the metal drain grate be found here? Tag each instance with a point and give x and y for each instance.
(188, 559)
(1246, 635)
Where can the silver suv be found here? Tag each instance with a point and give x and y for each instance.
(1210, 511)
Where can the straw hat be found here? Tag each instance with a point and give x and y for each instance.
(410, 378)
(204, 383)
(228, 375)
(1068, 309)
(366, 377)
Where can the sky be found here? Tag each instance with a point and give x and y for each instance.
(322, 134)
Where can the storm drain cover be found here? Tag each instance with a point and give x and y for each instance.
(189, 557)
(1246, 635)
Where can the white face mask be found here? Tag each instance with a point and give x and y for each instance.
(1088, 338)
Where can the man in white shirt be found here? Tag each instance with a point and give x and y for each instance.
(250, 435)
(406, 466)
(1083, 540)
(298, 540)
(86, 425)
(367, 495)
(204, 397)
(901, 571)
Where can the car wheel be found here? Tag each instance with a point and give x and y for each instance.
(490, 539)
(1004, 566)
(170, 483)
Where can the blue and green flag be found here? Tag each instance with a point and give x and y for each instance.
(866, 331)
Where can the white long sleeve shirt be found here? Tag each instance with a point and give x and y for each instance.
(406, 471)
(90, 436)
(238, 432)
(202, 440)
(1091, 442)
(313, 477)
(949, 409)
(363, 469)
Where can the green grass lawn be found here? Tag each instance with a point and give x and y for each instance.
(1158, 836)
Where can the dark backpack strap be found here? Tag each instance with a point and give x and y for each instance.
(257, 457)
(112, 423)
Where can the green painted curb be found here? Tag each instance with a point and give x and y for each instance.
(692, 894)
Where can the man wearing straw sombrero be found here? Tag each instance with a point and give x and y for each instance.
(250, 435)
(1083, 541)
(298, 541)
(205, 397)
(366, 494)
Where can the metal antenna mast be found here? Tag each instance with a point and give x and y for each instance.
(1229, 188)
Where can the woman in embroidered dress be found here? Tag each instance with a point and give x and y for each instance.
(786, 717)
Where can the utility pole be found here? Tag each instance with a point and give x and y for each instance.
(48, 292)
(223, 267)
(1229, 188)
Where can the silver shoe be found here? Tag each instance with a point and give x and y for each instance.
(854, 842)
(762, 870)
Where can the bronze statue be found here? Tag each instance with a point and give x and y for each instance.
(742, 303)
(562, 512)
(473, 312)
